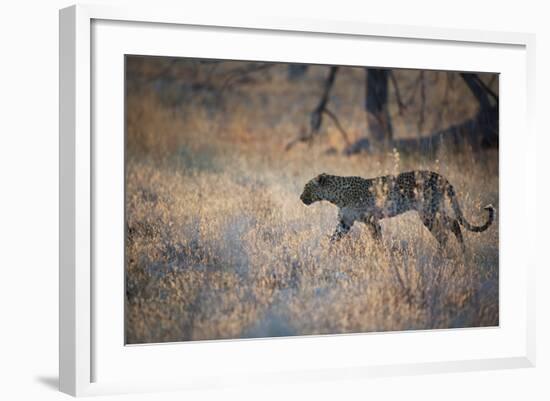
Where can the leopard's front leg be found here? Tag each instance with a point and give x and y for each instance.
(373, 224)
(343, 227)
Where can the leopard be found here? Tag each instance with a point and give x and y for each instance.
(369, 200)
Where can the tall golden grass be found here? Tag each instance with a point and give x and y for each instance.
(219, 245)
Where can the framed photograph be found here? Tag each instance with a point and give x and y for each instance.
(277, 200)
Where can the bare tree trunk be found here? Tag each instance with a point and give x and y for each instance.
(376, 107)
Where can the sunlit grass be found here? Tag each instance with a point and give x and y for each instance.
(226, 254)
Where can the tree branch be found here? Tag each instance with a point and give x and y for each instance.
(316, 116)
(239, 74)
(338, 125)
(421, 116)
(477, 88)
(400, 105)
(487, 88)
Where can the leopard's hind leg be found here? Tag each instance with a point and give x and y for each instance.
(430, 212)
(437, 227)
(454, 226)
(440, 225)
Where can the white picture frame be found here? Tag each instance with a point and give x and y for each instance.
(84, 348)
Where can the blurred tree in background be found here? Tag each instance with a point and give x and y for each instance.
(409, 110)
(479, 131)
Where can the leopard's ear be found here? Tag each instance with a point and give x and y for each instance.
(322, 179)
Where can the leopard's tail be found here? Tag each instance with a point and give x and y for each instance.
(460, 217)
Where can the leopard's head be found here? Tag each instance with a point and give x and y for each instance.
(319, 188)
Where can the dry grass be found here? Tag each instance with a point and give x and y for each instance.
(220, 246)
